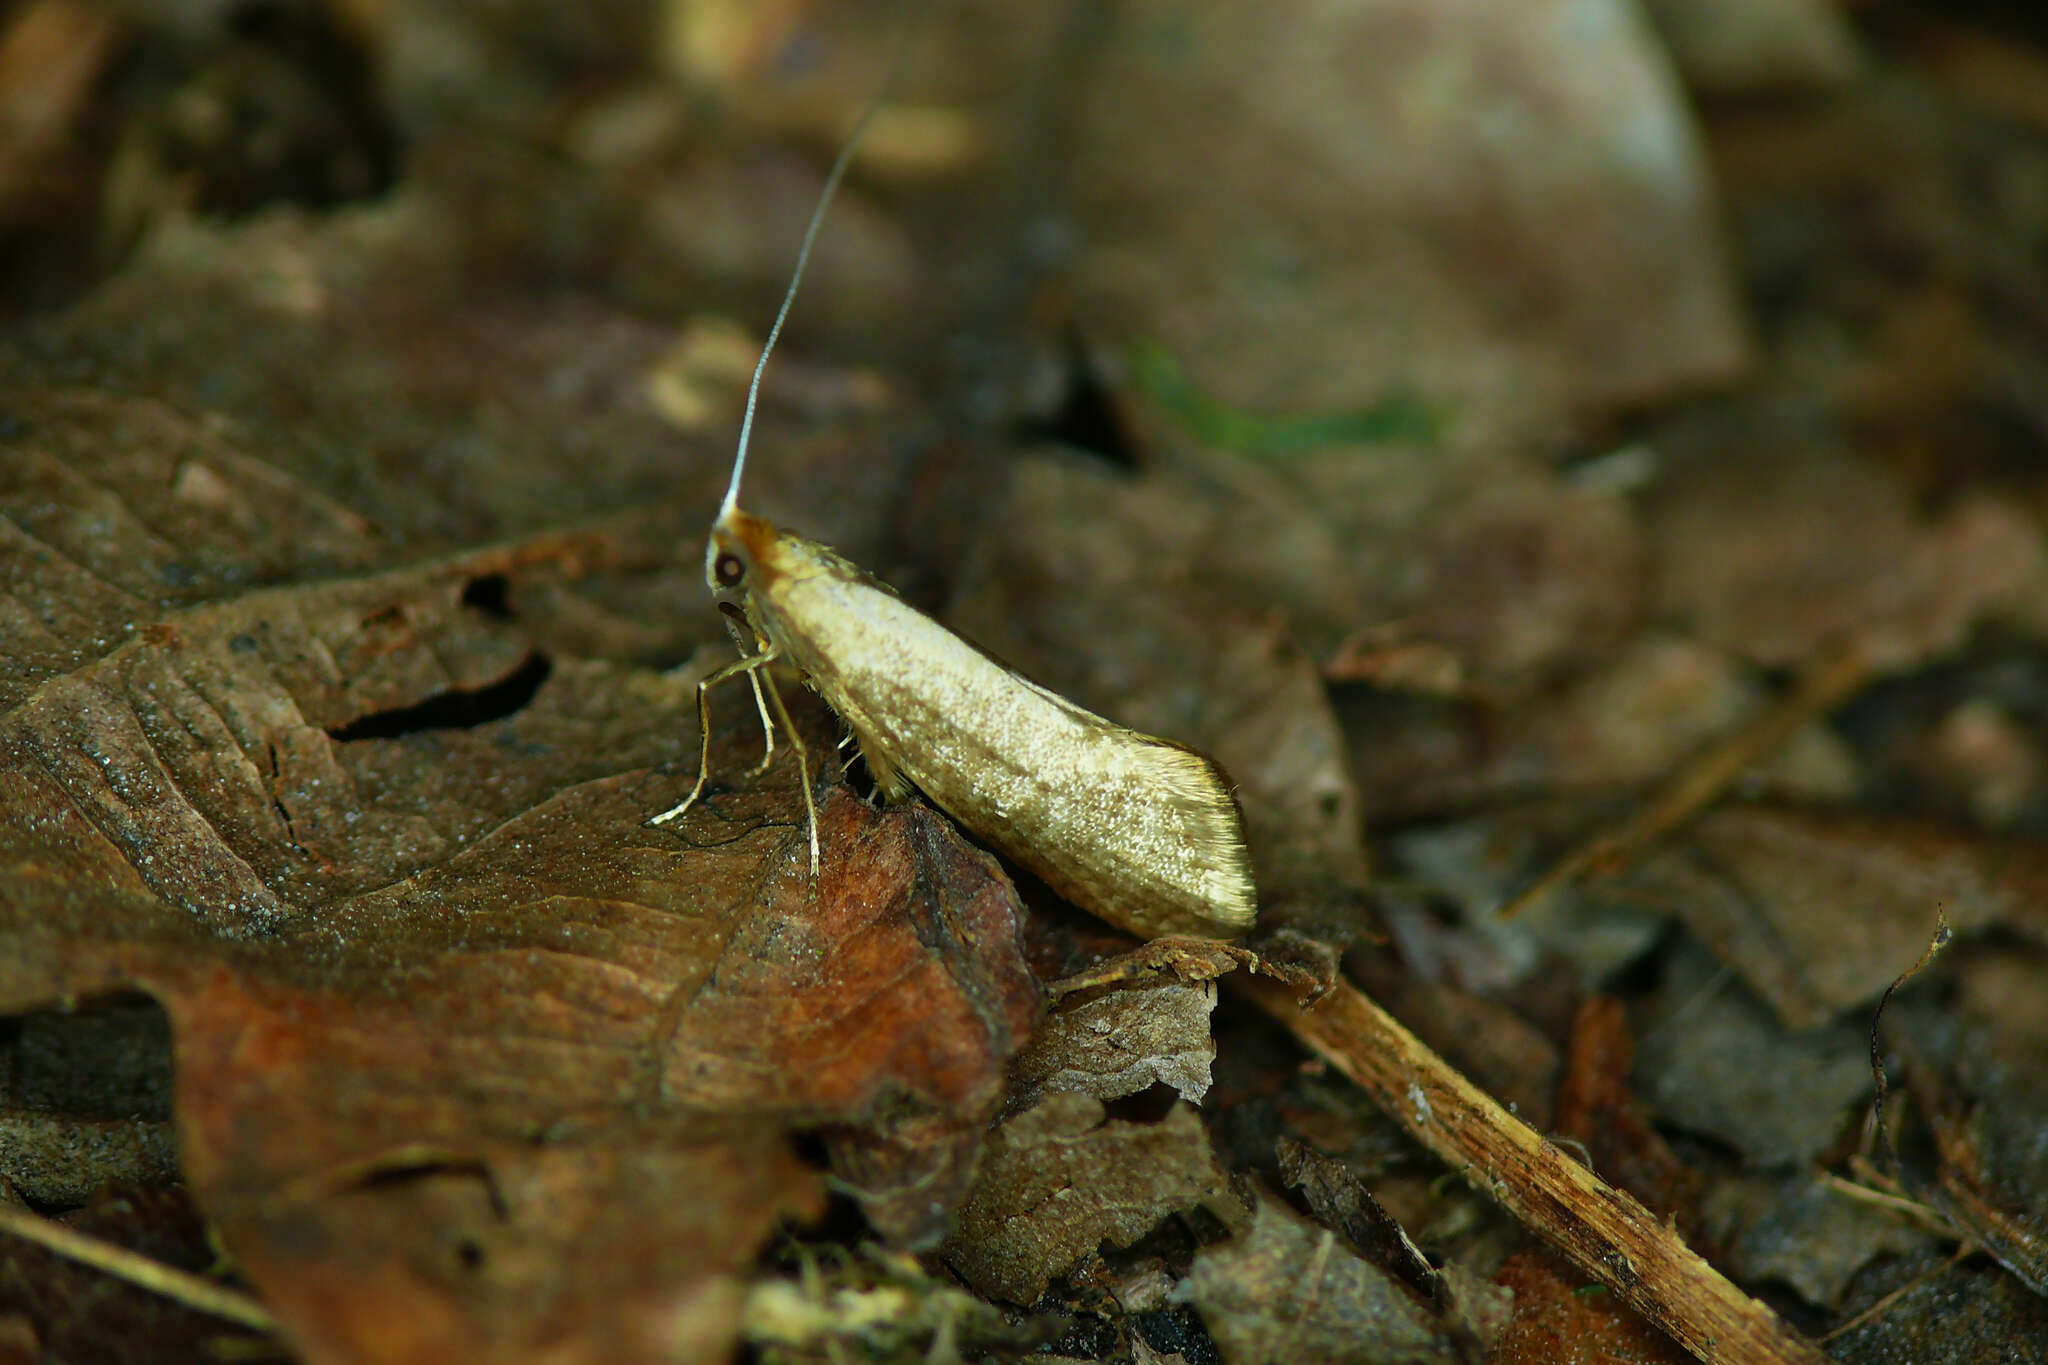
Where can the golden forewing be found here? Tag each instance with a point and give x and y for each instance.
(1140, 831)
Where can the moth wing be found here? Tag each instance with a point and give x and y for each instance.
(1181, 869)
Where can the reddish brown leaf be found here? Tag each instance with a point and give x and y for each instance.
(452, 1024)
(1558, 1317)
(1596, 1107)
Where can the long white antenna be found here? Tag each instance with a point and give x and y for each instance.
(803, 255)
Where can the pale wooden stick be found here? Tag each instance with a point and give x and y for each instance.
(182, 1286)
(1601, 1230)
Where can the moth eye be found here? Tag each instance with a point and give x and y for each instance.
(729, 570)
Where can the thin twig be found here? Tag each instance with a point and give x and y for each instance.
(1940, 939)
(1601, 1230)
(181, 1286)
(1883, 1305)
(1829, 680)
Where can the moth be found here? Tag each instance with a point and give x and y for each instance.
(1142, 832)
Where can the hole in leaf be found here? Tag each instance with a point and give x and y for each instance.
(1086, 418)
(107, 1058)
(1149, 1105)
(460, 709)
(490, 595)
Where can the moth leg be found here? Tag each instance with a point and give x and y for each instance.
(803, 767)
(751, 665)
(767, 726)
(749, 643)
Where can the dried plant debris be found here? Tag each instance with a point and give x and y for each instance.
(1325, 388)
(443, 1009)
(1974, 1075)
(1813, 1235)
(1060, 1179)
(1559, 1317)
(1289, 1288)
(1121, 1042)
(1819, 911)
(880, 1305)
(67, 1311)
(1695, 1060)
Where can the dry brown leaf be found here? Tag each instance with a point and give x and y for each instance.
(1819, 911)
(1121, 1041)
(1698, 1041)
(1742, 558)
(1059, 1180)
(1340, 1200)
(451, 1024)
(1351, 199)
(1804, 1231)
(1288, 1289)
(1556, 1318)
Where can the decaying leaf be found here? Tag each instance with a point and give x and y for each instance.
(1060, 1179)
(1805, 1232)
(1737, 558)
(1119, 1042)
(451, 1023)
(1558, 1318)
(1288, 1289)
(1341, 1202)
(879, 1304)
(1695, 1055)
(1820, 911)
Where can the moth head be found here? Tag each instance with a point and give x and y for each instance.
(740, 543)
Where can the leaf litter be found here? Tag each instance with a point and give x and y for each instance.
(344, 549)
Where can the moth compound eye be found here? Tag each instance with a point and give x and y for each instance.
(729, 570)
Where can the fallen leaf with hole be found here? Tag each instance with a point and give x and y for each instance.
(451, 1023)
(1060, 1179)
